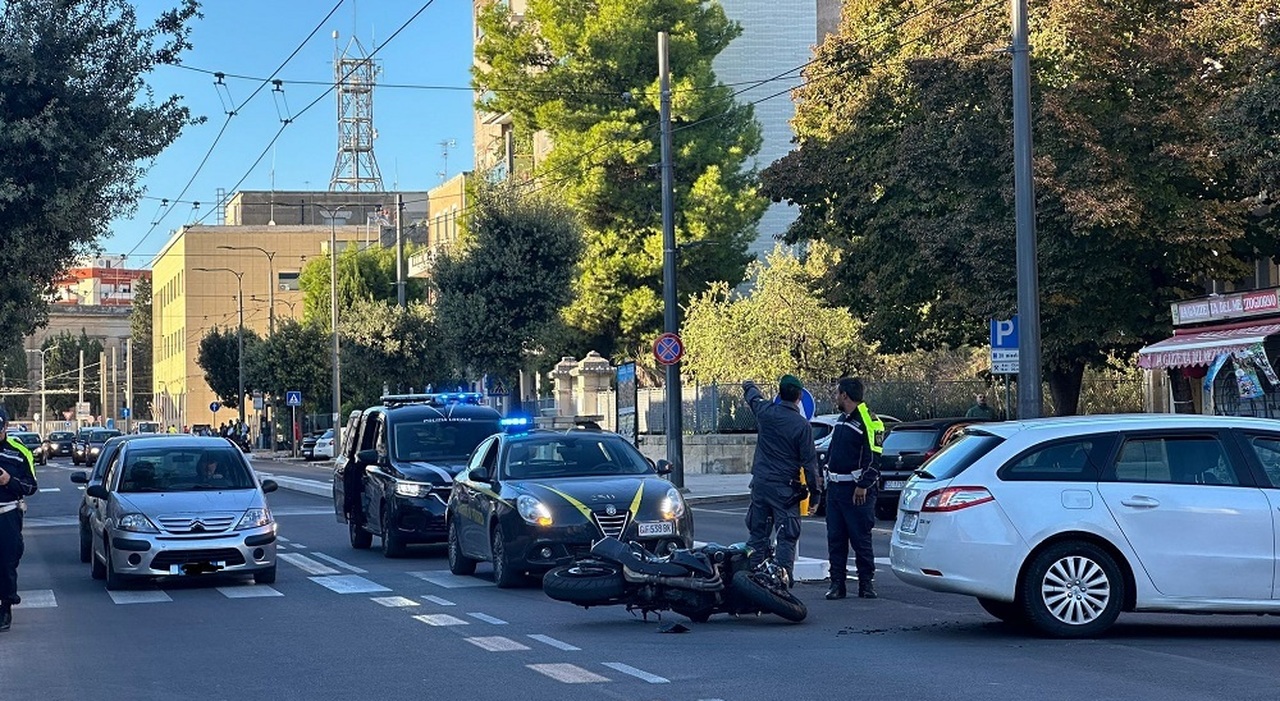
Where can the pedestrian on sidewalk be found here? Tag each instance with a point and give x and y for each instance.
(17, 481)
(853, 477)
(784, 446)
(980, 409)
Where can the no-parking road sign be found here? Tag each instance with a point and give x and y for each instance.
(668, 349)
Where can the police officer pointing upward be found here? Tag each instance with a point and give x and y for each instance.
(853, 475)
(17, 480)
(784, 445)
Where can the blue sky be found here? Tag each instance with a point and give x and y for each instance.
(252, 39)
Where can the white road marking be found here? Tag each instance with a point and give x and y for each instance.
(440, 619)
(49, 521)
(37, 599)
(139, 597)
(637, 673)
(487, 618)
(303, 511)
(448, 580)
(568, 673)
(50, 489)
(306, 564)
(300, 546)
(439, 601)
(348, 584)
(559, 644)
(251, 591)
(282, 539)
(394, 601)
(339, 563)
(497, 643)
(82, 487)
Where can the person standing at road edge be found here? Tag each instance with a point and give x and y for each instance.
(784, 445)
(17, 480)
(853, 477)
(980, 409)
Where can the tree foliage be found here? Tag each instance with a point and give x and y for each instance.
(781, 326)
(363, 276)
(219, 357)
(78, 125)
(63, 371)
(140, 331)
(384, 345)
(905, 163)
(13, 375)
(502, 289)
(588, 73)
(296, 357)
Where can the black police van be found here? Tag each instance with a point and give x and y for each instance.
(394, 474)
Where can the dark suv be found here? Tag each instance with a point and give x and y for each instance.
(906, 447)
(394, 474)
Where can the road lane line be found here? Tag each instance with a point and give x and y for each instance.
(487, 618)
(37, 599)
(250, 591)
(348, 584)
(637, 673)
(439, 601)
(282, 539)
(139, 597)
(394, 601)
(559, 644)
(440, 619)
(497, 643)
(448, 580)
(300, 546)
(44, 490)
(339, 563)
(568, 673)
(306, 564)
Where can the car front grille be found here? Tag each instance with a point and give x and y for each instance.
(611, 526)
(168, 558)
(209, 523)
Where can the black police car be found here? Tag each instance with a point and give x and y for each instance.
(396, 469)
(530, 501)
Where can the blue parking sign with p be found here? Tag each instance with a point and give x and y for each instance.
(1004, 333)
(293, 398)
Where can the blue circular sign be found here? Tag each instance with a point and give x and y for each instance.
(807, 406)
(214, 407)
(668, 349)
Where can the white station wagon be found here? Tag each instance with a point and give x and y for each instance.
(1064, 523)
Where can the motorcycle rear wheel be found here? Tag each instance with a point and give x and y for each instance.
(584, 583)
(765, 599)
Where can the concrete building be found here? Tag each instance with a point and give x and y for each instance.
(446, 207)
(101, 281)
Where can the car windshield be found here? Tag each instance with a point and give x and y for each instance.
(435, 439)
(820, 430)
(573, 456)
(900, 441)
(959, 454)
(60, 436)
(29, 438)
(183, 470)
(102, 436)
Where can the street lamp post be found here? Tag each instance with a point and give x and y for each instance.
(239, 332)
(43, 376)
(333, 215)
(271, 281)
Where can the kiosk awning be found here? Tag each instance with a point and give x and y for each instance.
(1200, 346)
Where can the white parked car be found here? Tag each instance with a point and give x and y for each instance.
(1064, 523)
(324, 446)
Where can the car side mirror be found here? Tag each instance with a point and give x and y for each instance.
(368, 457)
(664, 467)
(269, 486)
(481, 474)
(80, 477)
(97, 491)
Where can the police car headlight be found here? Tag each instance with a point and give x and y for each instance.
(533, 511)
(136, 523)
(255, 518)
(412, 489)
(672, 505)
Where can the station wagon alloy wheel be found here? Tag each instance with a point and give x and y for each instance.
(1076, 590)
(1072, 589)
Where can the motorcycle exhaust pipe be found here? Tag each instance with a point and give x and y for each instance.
(690, 583)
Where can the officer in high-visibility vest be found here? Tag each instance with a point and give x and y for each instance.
(852, 480)
(17, 480)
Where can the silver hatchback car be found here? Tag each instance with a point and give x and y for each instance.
(180, 506)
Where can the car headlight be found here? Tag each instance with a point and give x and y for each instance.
(533, 511)
(255, 518)
(672, 505)
(136, 523)
(412, 489)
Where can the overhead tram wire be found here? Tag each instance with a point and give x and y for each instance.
(332, 86)
(226, 122)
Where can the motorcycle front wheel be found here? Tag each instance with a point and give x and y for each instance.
(585, 583)
(765, 599)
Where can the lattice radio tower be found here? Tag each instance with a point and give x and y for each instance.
(356, 169)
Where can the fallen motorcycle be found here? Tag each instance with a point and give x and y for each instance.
(695, 583)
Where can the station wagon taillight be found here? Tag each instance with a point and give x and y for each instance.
(956, 498)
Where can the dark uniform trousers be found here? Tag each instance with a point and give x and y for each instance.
(769, 510)
(850, 524)
(10, 553)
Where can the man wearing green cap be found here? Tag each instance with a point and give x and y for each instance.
(784, 445)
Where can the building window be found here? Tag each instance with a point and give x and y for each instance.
(288, 281)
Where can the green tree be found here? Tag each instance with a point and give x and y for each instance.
(219, 357)
(295, 357)
(13, 375)
(384, 345)
(363, 276)
(140, 325)
(62, 377)
(905, 163)
(1250, 120)
(782, 325)
(588, 78)
(78, 124)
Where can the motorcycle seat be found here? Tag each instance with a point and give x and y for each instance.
(637, 559)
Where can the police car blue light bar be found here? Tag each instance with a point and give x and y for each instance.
(514, 421)
(434, 398)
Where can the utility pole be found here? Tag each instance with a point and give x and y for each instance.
(1029, 388)
(670, 323)
(102, 383)
(128, 384)
(115, 383)
(400, 282)
(80, 397)
(333, 215)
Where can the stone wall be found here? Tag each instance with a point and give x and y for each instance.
(707, 454)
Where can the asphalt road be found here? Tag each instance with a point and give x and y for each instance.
(343, 624)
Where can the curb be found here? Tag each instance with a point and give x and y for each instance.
(715, 498)
(297, 484)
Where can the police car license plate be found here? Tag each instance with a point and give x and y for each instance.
(910, 522)
(658, 528)
(895, 484)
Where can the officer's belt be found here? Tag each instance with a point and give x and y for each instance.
(6, 508)
(837, 477)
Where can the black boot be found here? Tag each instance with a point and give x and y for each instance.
(865, 590)
(836, 591)
(6, 617)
